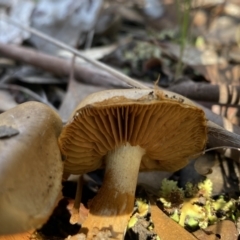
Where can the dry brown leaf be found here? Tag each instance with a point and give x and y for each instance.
(81, 215)
(76, 92)
(193, 56)
(206, 3)
(166, 228)
(222, 31)
(20, 236)
(232, 9)
(6, 101)
(224, 230)
(220, 73)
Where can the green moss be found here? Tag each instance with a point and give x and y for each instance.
(205, 188)
(133, 220)
(171, 193)
(194, 206)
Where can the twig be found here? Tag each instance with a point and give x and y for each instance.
(93, 76)
(223, 94)
(220, 94)
(71, 75)
(36, 97)
(114, 72)
(89, 39)
(60, 67)
(213, 134)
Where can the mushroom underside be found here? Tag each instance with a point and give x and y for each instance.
(171, 133)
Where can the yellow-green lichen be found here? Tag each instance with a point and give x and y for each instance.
(194, 206)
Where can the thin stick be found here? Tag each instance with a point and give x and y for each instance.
(30, 93)
(215, 129)
(61, 67)
(77, 201)
(114, 72)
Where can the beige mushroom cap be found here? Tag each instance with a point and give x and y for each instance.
(30, 166)
(169, 128)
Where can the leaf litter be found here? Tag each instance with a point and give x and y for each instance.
(149, 51)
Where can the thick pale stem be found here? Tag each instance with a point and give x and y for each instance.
(122, 167)
(113, 205)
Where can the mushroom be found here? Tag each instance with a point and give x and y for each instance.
(30, 166)
(126, 131)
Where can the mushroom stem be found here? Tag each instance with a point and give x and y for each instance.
(113, 205)
(75, 210)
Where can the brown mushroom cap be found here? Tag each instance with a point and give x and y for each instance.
(169, 128)
(30, 167)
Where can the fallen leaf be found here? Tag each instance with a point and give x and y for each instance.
(65, 20)
(220, 73)
(166, 228)
(6, 101)
(20, 236)
(222, 31)
(224, 230)
(19, 11)
(7, 131)
(80, 216)
(76, 92)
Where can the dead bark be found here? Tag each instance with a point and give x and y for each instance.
(60, 67)
(219, 94)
